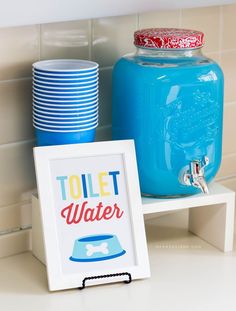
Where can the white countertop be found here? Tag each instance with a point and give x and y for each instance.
(187, 274)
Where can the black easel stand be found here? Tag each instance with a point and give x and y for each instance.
(107, 276)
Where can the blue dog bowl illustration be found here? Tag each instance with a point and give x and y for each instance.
(96, 248)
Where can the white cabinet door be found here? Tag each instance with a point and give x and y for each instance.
(24, 12)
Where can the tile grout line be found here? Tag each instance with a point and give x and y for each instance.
(106, 68)
(229, 155)
(225, 178)
(17, 143)
(90, 40)
(16, 79)
(230, 103)
(137, 21)
(40, 41)
(221, 33)
(228, 50)
(16, 204)
(13, 232)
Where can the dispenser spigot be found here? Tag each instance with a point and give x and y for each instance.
(194, 175)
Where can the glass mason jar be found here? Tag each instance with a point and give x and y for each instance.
(168, 97)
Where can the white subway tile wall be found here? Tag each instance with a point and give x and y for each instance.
(17, 172)
(105, 87)
(19, 48)
(229, 144)
(160, 19)
(15, 111)
(112, 37)
(103, 40)
(228, 64)
(228, 166)
(206, 20)
(228, 23)
(14, 243)
(65, 40)
(10, 218)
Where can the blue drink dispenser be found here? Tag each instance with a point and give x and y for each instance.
(168, 97)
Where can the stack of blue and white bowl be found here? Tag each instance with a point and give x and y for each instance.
(65, 101)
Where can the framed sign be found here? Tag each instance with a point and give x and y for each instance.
(91, 212)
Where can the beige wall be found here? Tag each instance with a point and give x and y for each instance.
(103, 40)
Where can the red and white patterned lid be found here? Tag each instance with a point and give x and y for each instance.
(168, 38)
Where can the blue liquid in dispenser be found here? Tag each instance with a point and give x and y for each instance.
(173, 109)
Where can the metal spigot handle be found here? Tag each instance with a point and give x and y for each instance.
(194, 176)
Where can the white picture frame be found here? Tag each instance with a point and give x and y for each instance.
(91, 213)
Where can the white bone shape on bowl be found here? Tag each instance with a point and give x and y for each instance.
(102, 248)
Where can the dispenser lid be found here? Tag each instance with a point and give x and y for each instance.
(168, 38)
